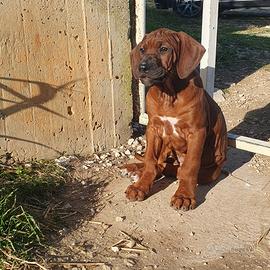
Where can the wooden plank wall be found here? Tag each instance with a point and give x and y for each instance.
(65, 81)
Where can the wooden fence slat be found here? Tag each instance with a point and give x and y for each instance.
(54, 53)
(121, 73)
(19, 138)
(98, 41)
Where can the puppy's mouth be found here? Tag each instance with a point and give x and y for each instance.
(150, 78)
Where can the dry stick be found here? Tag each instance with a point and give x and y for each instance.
(78, 263)
(127, 235)
(133, 249)
(23, 261)
(265, 233)
(69, 215)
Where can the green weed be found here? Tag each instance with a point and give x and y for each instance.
(24, 188)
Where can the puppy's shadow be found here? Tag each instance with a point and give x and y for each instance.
(235, 159)
(161, 184)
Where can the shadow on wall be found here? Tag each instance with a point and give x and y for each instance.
(46, 93)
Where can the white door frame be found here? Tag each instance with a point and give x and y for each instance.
(207, 68)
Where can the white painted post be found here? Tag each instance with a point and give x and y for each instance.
(140, 32)
(209, 41)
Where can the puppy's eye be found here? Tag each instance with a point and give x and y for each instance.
(163, 49)
(142, 50)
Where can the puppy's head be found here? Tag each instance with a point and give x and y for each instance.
(162, 52)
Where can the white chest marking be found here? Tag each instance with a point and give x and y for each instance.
(172, 120)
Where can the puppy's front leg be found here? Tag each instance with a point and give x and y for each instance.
(187, 174)
(138, 190)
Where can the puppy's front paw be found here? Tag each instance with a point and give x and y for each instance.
(134, 193)
(180, 202)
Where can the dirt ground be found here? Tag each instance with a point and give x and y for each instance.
(228, 230)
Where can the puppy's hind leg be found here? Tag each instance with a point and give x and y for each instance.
(132, 170)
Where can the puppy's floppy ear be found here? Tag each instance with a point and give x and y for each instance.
(189, 53)
(135, 58)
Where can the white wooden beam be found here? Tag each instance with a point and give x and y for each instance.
(249, 144)
(209, 41)
(140, 10)
(236, 141)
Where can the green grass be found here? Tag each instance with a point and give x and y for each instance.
(23, 189)
(19, 232)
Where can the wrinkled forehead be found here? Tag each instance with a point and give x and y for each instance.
(158, 39)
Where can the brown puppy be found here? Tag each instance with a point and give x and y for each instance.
(184, 121)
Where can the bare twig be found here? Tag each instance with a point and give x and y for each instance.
(23, 261)
(264, 234)
(78, 263)
(70, 214)
(133, 249)
(132, 238)
(103, 224)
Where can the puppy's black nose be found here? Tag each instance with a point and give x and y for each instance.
(143, 67)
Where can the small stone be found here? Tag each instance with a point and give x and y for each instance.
(131, 157)
(75, 243)
(218, 96)
(83, 183)
(89, 162)
(131, 244)
(116, 154)
(115, 249)
(27, 165)
(91, 254)
(205, 263)
(103, 156)
(64, 161)
(96, 156)
(130, 141)
(127, 152)
(109, 164)
(192, 233)
(67, 206)
(92, 211)
(139, 148)
(129, 262)
(85, 167)
(135, 143)
(120, 219)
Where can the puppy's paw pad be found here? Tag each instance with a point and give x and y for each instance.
(185, 204)
(134, 194)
